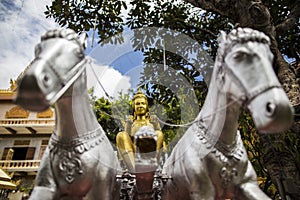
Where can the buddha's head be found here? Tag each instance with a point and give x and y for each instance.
(140, 104)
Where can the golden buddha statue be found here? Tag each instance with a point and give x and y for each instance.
(139, 119)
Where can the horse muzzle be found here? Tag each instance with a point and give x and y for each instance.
(37, 87)
(272, 111)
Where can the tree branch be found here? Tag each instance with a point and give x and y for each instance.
(291, 21)
(211, 5)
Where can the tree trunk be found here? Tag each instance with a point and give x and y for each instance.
(281, 165)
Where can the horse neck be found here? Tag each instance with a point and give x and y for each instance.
(219, 115)
(74, 115)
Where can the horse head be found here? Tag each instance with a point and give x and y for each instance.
(245, 72)
(59, 60)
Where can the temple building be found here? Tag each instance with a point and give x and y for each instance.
(24, 137)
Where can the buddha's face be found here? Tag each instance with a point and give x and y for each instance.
(140, 106)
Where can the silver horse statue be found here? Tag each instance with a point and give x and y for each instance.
(79, 162)
(210, 161)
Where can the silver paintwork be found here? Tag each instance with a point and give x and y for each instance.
(79, 162)
(210, 161)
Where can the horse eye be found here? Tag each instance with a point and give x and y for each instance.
(78, 53)
(239, 56)
(46, 80)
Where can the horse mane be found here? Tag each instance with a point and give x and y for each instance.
(245, 35)
(67, 34)
(238, 36)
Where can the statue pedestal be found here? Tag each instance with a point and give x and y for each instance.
(144, 176)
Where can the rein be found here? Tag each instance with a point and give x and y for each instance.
(245, 99)
(161, 121)
(188, 124)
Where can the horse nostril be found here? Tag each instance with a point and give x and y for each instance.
(270, 107)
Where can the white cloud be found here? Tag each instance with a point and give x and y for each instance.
(108, 79)
(22, 24)
(118, 66)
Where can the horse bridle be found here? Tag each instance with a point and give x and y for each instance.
(246, 97)
(67, 80)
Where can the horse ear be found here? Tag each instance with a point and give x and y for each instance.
(222, 37)
(83, 39)
(222, 44)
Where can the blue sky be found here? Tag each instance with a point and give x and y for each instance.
(23, 22)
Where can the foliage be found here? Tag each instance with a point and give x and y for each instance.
(289, 41)
(103, 110)
(103, 16)
(196, 23)
(254, 151)
(106, 18)
(278, 144)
